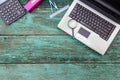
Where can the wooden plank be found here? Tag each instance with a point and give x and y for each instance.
(45, 3)
(53, 49)
(35, 23)
(60, 72)
(32, 24)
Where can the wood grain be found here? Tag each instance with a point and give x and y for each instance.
(53, 49)
(60, 72)
(33, 48)
(36, 23)
(35, 38)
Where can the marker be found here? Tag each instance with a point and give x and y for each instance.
(32, 4)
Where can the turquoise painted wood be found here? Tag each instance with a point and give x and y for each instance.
(60, 72)
(35, 38)
(33, 48)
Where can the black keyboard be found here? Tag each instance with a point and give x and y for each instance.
(11, 10)
(92, 21)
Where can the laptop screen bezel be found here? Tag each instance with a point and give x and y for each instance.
(102, 9)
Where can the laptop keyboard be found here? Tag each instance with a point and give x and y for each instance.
(92, 21)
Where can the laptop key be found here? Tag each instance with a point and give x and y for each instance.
(92, 21)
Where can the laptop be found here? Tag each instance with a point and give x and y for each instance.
(93, 22)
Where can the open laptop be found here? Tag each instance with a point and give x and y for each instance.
(93, 22)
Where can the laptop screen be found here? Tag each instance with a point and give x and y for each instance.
(113, 5)
(110, 8)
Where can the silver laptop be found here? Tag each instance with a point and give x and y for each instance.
(93, 22)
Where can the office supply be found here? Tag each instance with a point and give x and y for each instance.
(53, 5)
(32, 4)
(72, 24)
(10, 10)
(97, 23)
(59, 11)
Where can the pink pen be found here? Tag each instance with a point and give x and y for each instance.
(31, 4)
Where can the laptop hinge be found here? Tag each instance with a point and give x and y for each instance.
(103, 10)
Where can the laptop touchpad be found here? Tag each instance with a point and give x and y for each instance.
(84, 32)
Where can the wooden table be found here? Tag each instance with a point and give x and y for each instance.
(33, 48)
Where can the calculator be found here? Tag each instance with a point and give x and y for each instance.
(11, 10)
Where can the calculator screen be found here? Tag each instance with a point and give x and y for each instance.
(2, 1)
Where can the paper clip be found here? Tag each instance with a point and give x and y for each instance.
(52, 4)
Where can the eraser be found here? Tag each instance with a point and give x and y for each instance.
(31, 5)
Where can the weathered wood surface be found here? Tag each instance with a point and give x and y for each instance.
(33, 47)
(60, 72)
(52, 49)
(35, 38)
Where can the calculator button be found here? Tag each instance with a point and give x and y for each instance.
(13, 17)
(11, 8)
(7, 21)
(22, 11)
(0, 11)
(17, 4)
(2, 14)
(9, 5)
(6, 7)
(9, 16)
(14, 13)
(11, 11)
(15, 1)
(19, 7)
(14, 6)
(11, 1)
(6, 18)
(18, 12)
(8, 10)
